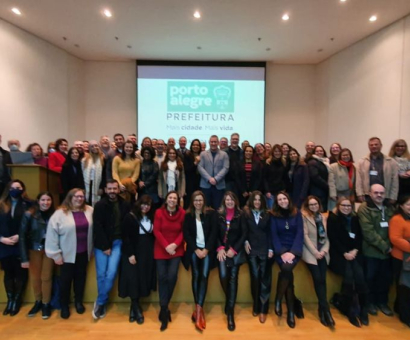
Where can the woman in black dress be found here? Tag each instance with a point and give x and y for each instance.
(72, 173)
(200, 236)
(259, 248)
(137, 276)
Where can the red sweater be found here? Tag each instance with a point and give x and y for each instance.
(56, 161)
(167, 230)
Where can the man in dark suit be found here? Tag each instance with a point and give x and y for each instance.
(213, 167)
(4, 170)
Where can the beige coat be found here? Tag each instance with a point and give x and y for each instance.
(390, 173)
(339, 180)
(310, 239)
(162, 183)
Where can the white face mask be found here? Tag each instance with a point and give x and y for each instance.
(14, 147)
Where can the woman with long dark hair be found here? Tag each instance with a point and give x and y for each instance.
(274, 175)
(316, 253)
(69, 242)
(287, 237)
(318, 166)
(72, 173)
(32, 242)
(346, 260)
(230, 253)
(168, 250)
(249, 175)
(298, 174)
(200, 236)
(192, 177)
(137, 275)
(148, 178)
(258, 246)
(13, 204)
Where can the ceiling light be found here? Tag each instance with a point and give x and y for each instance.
(107, 13)
(342, 0)
(197, 14)
(285, 17)
(15, 10)
(373, 18)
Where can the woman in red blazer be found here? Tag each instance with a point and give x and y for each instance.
(168, 250)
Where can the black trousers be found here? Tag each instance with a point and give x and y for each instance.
(15, 277)
(285, 285)
(228, 276)
(260, 269)
(74, 274)
(378, 277)
(200, 274)
(318, 273)
(167, 278)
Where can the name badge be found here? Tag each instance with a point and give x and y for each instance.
(373, 173)
(384, 224)
(352, 235)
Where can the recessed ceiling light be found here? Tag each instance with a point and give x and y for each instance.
(373, 18)
(107, 13)
(15, 10)
(197, 14)
(285, 17)
(342, 0)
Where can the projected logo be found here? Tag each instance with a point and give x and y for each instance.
(195, 96)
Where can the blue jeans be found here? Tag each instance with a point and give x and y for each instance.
(213, 196)
(106, 269)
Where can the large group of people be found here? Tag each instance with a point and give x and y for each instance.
(144, 212)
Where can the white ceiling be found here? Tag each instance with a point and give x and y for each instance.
(229, 30)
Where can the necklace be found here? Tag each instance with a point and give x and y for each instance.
(287, 225)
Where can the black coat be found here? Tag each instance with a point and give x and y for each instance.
(192, 176)
(298, 185)
(341, 242)
(104, 221)
(209, 220)
(6, 159)
(319, 176)
(255, 180)
(258, 235)
(71, 178)
(236, 235)
(149, 175)
(275, 177)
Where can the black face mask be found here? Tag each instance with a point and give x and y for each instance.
(15, 193)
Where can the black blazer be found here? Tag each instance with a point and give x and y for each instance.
(71, 179)
(130, 234)
(341, 242)
(236, 235)
(210, 230)
(104, 221)
(319, 176)
(258, 235)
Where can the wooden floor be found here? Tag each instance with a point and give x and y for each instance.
(116, 326)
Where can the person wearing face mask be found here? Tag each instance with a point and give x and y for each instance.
(4, 170)
(72, 173)
(342, 178)
(168, 250)
(171, 174)
(51, 147)
(230, 252)
(286, 226)
(14, 145)
(13, 204)
(32, 241)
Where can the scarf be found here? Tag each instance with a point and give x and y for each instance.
(97, 168)
(324, 160)
(350, 170)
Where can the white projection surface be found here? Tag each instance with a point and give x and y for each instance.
(200, 101)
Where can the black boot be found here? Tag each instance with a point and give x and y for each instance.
(164, 316)
(322, 317)
(139, 317)
(10, 298)
(290, 303)
(299, 308)
(329, 318)
(280, 291)
(15, 308)
(231, 322)
(132, 313)
(38, 305)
